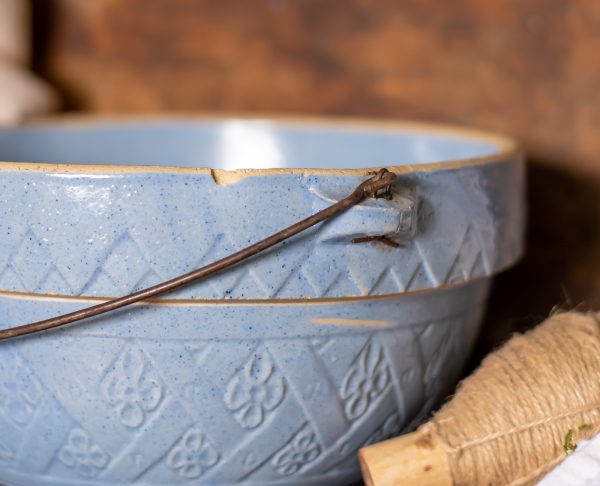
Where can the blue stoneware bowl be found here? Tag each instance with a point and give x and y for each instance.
(276, 371)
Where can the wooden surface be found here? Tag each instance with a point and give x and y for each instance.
(531, 69)
(418, 458)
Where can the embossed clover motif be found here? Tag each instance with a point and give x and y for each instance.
(302, 449)
(20, 392)
(6, 454)
(83, 455)
(133, 388)
(254, 390)
(436, 363)
(192, 455)
(367, 378)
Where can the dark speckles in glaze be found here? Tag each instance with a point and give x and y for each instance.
(178, 220)
(270, 393)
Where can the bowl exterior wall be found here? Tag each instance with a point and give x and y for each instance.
(227, 393)
(107, 234)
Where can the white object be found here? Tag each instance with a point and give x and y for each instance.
(21, 93)
(15, 43)
(581, 468)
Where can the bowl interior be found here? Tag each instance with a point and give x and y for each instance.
(240, 144)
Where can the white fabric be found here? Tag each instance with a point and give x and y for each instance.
(21, 93)
(580, 468)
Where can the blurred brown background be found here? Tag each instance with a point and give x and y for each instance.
(530, 69)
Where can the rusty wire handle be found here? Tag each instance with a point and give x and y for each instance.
(377, 186)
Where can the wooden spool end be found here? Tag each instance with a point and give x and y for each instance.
(416, 458)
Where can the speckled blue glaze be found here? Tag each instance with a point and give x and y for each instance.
(274, 372)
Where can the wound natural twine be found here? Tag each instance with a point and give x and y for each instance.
(510, 422)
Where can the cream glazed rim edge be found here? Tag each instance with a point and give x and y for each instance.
(507, 147)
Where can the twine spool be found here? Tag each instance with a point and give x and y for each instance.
(512, 421)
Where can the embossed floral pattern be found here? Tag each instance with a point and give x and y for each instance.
(257, 391)
(367, 378)
(254, 390)
(83, 455)
(132, 387)
(439, 359)
(302, 449)
(192, 455)
(6, 454)
(20, 391)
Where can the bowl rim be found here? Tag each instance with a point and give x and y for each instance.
(507, 147)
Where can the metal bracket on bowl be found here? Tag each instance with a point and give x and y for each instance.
(406, 220)
(392, 222)
(378, 186)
